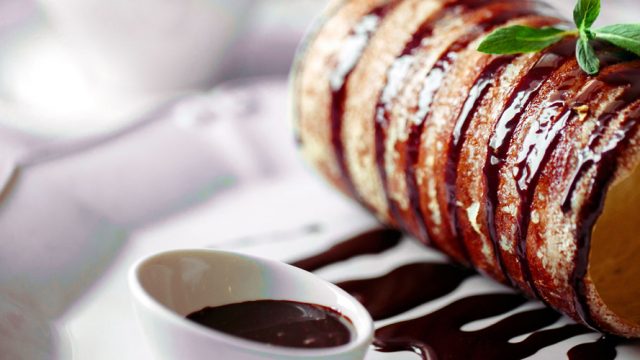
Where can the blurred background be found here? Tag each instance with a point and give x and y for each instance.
(131, 127)
(77, 67)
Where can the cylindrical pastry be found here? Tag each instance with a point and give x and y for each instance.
(501, 162)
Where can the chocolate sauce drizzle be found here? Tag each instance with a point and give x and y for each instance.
(517, 103)
(400, 69)
(539, 145)
(484, 82)
(630, 80)
(602, 349)
(353, 48)
(373, 241)
(440, 334)
(432, 82)
(606, 165)
(530, 165)
(397, 73)
(435, 280)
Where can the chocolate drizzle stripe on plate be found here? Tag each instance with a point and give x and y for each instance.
(411, 285)
(439, 334)
(602, 349)
(373, 241)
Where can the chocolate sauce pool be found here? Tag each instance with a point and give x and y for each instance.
(440, 334)
(278, 322)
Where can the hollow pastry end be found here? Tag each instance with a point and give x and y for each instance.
(614, 260)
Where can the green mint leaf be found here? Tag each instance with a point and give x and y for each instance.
(587, 58)
(585, 13)
(626, 36)
(520, 39)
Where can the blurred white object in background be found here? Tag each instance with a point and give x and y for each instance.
(48, 91)
(80, 67)
(149, 45)
(73, 68)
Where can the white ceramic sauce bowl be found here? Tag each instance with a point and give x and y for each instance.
(168, 286)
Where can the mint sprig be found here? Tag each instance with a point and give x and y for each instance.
(586, 56)
(626, 36)
(585, 13)
(526, 38)
(519, 39)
